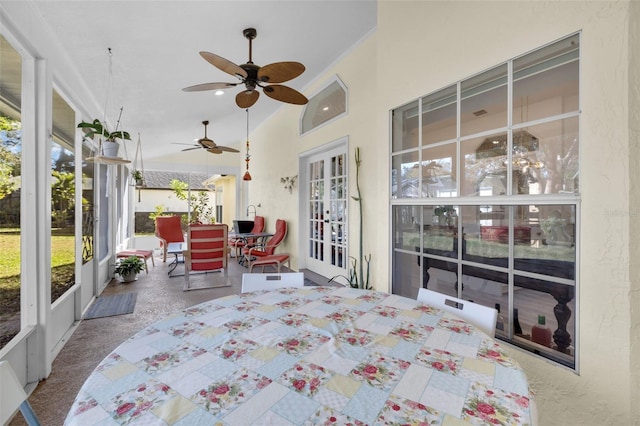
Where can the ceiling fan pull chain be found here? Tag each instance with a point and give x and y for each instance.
(247, 175)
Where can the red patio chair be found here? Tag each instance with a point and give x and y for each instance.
(207, 252)
(266, 255)
(239, 243)
(168, 230)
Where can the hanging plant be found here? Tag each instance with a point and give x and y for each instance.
(108, 147)
(96, 128)
(138, 178)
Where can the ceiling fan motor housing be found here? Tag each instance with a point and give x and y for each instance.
(252, 75)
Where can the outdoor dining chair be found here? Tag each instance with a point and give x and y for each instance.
(168, 230)
(266, 255)
(480, 316)
(254, 282)
(207, 251)
(238, 243)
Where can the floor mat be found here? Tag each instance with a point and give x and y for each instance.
(308, 282)
(108, 306)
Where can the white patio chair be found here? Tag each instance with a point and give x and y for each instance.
(482, 317)
(254, 282)
(13, 397)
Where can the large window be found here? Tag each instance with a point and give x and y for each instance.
(327, 105)
(485, 196)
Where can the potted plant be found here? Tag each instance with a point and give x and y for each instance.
(138, 178)
(109, 145)
(129, 268)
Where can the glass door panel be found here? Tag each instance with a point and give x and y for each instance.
(327, 213)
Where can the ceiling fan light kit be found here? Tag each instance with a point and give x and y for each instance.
(253, 77)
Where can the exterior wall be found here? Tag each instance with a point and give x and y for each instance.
(634, 205)
(270, 161)
(226, 188)
(150, 198)
(414, 52)
(420, 52)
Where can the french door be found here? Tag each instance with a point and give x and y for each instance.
(326, 212)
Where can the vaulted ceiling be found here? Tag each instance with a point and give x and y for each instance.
(138, 55)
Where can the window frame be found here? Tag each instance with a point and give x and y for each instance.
(510, 198)
(319, 93)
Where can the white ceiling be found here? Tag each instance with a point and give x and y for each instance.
(154, 54)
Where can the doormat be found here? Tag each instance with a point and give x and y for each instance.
(108, 306)
(308, 282)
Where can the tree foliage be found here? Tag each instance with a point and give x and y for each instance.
(10, 138)
(63, 190)
(201, 212)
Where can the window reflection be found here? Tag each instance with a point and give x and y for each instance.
(405, 127)
(484, 101)
(517, 150)
(546, 82)
(439, 116)
(327, 105)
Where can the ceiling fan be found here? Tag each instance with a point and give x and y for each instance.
(209, 145)
(254, 76)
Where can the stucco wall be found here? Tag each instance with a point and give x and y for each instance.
(478, 35)
(276, 145)
(420, 47)
(634, 204)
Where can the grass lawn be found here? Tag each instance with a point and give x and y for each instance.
(62, 272)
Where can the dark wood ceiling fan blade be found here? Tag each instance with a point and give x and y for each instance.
(285, 94)
(224, 64)
(191, 149)
(279, 72)
(209, 86)
(227, 149)
(215, 150)
(247, 98)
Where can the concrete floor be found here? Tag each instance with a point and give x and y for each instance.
(158, 295)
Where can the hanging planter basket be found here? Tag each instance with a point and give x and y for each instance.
(138, 179)
(110, 149)
(137, 174)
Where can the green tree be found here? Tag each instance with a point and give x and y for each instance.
(10, 139)
(63, 192)
(201, 212)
